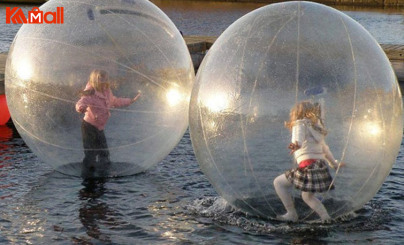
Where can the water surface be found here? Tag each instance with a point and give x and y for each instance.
(172, 203)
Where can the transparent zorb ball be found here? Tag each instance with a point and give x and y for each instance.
(142, 51)
(258, 69)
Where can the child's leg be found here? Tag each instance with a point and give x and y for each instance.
(282, 186)
(103, 146)
(89, 136)
(316, 205)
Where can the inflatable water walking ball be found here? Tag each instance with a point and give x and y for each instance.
(4, 112)
(258, 69)
(141, 50)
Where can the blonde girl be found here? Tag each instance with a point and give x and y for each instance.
(311, 154)
(96, 101)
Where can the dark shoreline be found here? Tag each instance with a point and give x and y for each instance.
(364, 3)
(375, 3)
(31, 2)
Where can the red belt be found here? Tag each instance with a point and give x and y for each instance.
(306, 163)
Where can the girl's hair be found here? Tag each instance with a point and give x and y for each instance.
(306, 109)
(96, 80)
(99, 79)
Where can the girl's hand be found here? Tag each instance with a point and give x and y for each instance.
(136, 97)
(82, 109)
(341, 164)
(337, 164)
(293, 147)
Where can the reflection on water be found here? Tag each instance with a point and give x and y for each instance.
(6, 135)
(93, 211)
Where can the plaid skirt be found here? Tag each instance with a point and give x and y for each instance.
(313, 178)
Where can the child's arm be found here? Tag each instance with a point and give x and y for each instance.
(136, 97)
(330, 157)
(121, 102)
(81, 105)
(298, 136)
(298, 132)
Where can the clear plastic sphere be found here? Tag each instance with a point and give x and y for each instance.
(140, 49)
(258, 69)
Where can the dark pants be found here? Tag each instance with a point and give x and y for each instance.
(95, 144)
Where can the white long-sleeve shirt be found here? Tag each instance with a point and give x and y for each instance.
(311, 142)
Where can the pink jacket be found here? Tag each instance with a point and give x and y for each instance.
(98, 105)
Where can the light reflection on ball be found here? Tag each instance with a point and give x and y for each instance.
(258, 69)
(139, 47)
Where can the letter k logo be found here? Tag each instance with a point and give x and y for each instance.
(15, 15)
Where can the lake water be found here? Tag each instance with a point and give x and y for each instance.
(212, 18)
(173, 203)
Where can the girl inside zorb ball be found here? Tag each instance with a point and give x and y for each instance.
(332, 84)
(95, 103)
(312, 155)
(96, 63)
